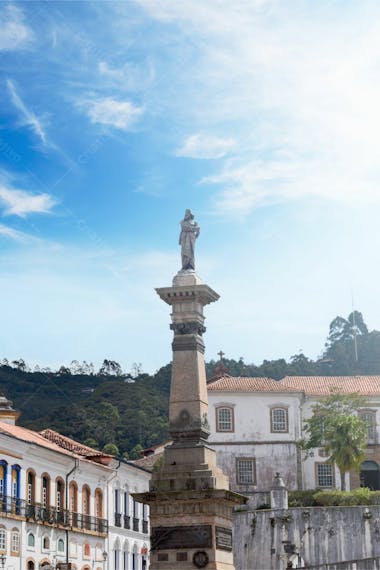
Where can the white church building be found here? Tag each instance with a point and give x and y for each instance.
(256, 424)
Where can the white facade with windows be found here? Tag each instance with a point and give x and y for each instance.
(256, 424)
(57, 503)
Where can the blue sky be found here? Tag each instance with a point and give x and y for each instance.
(262, 116)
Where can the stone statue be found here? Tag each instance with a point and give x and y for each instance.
(189, 233)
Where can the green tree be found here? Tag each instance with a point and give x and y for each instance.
(336, 426)
(111, 449)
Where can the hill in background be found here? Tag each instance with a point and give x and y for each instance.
(123, 413)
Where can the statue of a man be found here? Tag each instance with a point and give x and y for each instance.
(189, 233)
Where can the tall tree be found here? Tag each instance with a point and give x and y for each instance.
(336, 426)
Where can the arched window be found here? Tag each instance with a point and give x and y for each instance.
(73, 548)
(98, 503)
(225, 418)
(45, 490)
(31, 540)
(15, 541)
(15, 485)
(3, 477)
(3, 539)
(61, 545)
(45, 543)
(135, 557)
(125, 555)
(30, 486)
(86, 500)
(59, 494)
(73, 503)
(86, 550)
(30, 565)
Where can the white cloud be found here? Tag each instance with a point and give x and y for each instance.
(29, 119)
(205, 146)
(10, 233)
(119, 114)
(20, 203)
(14, 33)
(300, 93)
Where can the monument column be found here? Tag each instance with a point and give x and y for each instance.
(189, 498)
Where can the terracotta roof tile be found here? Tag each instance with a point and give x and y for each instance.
(149, 461)
(310, 385)
(246, 384)
(322, 385)
(55, 442)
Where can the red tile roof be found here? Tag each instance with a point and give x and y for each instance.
(74, 446)
(245, 384)
(78, 450)
(323, 385)
(310, 385)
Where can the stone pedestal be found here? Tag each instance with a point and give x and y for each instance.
(189, 498)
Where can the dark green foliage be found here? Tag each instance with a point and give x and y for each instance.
(130, 410)
(361, 496)
(302, 498)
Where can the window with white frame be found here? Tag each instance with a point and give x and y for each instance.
(3, 539)
(45, 543)
(245, 471)
(117, 559)
(324, 475)
(224, 418)
(15, 541)
(3, 477)
(61, 545)
(369, 416)
(279, 420)
(31, 540)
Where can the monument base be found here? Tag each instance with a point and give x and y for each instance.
(191, 529)
(190, 511)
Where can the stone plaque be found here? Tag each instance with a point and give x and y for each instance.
(173, 537)
(223, 538)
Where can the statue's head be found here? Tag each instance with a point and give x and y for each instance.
(189, 215)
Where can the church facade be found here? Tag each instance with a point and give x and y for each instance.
(257, 423)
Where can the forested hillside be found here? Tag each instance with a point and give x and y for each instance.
(124, 412)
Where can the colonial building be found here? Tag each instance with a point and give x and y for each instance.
(256, 424)
(65, 505)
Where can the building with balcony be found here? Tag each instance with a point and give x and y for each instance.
(57, 503)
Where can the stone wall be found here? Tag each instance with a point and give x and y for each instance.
(366, 564)
(307, 537)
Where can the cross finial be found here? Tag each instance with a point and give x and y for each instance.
(221, 354)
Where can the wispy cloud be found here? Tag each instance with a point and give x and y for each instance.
(301, 91)
(119, 114)
(205, 146)
(15, 235)
(14, 33)
(21, 203)
(29, 119)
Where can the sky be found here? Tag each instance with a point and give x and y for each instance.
(262, 116)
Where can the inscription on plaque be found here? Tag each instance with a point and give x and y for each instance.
(172, 537)
(223, 538)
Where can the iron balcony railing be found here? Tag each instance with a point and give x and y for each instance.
(51, 515)
(145, 527)
(117, 519)
(127, 521)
